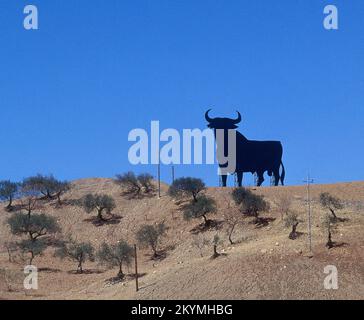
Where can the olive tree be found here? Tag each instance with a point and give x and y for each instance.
(98, 202)
(33, 248)
(116, 255)
(134, 184)
(250, 204)
(150, 235)
(76, 251)
(8, 191)
(188, 186)
(48, 186)
(129, 182)
(36, 227)
(200, 209)
(331, 203)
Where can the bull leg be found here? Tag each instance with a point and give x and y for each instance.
(260, 178)
(240, 178)
(276, 177)
(224, 180)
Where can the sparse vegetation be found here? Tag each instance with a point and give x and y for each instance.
(116, 255)
(76, 251)
(149, 235)
(146, 181)
(200, 209)
(183, 187)
(284, 204)
(331, 203)
(200, 242)
(250, 203)
(292, 221)
(8, 191)
(232, 218)
(98, 202)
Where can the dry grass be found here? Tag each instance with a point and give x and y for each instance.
(263, 264)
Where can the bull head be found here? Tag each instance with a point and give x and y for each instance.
(222, 123)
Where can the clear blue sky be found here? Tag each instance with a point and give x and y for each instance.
(71, 91)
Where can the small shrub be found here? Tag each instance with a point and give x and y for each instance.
(292, 221)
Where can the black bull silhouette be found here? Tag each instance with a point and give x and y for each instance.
(251, 156)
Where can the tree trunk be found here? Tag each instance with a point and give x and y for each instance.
(31, 258)
(121, 274)
(59, 199)
(329, 243)
(293, 234)
(79, 268)
(333, 213)
(10, 205)
(194, 197)
(216, 254)
(99, 215)
(231, 233)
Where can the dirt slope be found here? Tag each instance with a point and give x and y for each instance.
(264, 264)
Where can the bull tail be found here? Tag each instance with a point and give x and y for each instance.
(283, 174)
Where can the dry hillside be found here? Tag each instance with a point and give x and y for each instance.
(263, 264)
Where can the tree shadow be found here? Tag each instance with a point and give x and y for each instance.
(127, 277)
(219, 255)
(66, 203)
(209, 225)
(132, 195)
(85, 271)
(262, 222)
(113, 220)
(49, 270)
(340, 245)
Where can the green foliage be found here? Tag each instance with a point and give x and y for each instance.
(250, 203)
(48, 186)
(35, 225)
(135, 184)
(149, 235)
(76, 251)
(116, 255)
(8, 190)
(99, 203)
(199, 209)
(186, 187)
(32, 247)
(129, 181)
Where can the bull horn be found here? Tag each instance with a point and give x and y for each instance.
(238, 120)
(208, 119)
